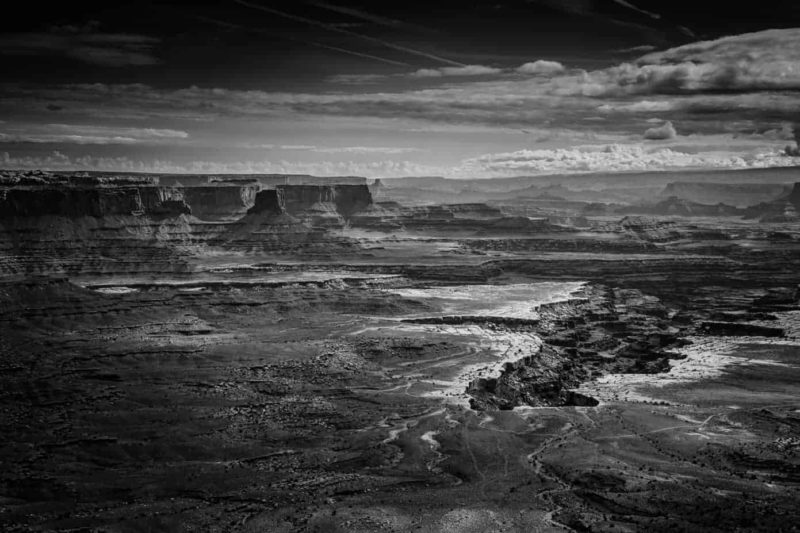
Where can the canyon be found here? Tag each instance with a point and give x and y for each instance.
(292, 353)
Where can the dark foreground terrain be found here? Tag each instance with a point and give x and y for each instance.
(285, 354)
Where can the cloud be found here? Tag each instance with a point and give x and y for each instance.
(761, 60)
(356, 79)
(389, 150)
(650, 14)
(87, 134)
(641, 49)
(366, 150)
(794, 151)
(661, 133)
(785, 133)
(420, 74)
(541, 67)
(83, 44)
(642, 106)
(723, 84)
(708, 89)
(297, 147)
(615, 158)
(579, 159)
(767, 60)
(467, 70)
(58, 160)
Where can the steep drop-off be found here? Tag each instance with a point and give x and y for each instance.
(221, 201)
(316, 205)
(86, 225)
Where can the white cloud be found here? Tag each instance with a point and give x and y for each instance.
(641, 49)
(642, 106)
(468, 70)
(297, 147)
(333, 149)
(365, 150)
(57, 160)
(614, 158)
(356, 79)
(87, 134)
(541, 67)
(579, 159)
(661, 133)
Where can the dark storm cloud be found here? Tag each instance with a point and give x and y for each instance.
(84, 44)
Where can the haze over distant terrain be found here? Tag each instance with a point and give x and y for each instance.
(389, 89)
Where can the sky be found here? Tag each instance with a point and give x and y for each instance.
(462, 89)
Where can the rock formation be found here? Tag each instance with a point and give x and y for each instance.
(318, 205)
(221, 201)
(734, 194)
(783, 209)
(675, 206)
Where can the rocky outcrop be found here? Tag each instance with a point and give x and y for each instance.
(476, 218)
(609, 330)
(675, 206)
(649, 228)
(81, 201)
(102, 224)
(317, 205)
(783, 209)
(740, 329)
(540, 379)
(734, 194)
(76, 224)
(221, 201)
(269, 201)
(294, 219)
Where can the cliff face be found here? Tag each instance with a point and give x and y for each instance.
(57, 200)
(268, 202)
(92, 224)
(221, 202)
(343, 199)
(314, 203)
(84, 225)
(75, 197)
(32, 202)
(293, 219)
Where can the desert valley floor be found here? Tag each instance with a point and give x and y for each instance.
(289, 354)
